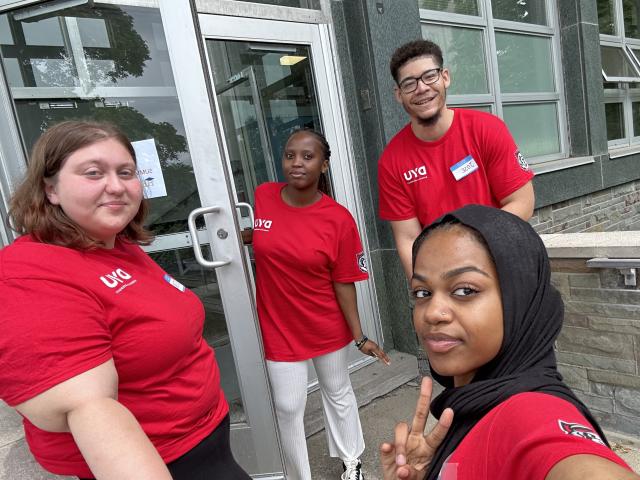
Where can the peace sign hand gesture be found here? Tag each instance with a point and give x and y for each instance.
(408, 458)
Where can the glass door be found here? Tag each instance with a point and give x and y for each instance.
(268, 78)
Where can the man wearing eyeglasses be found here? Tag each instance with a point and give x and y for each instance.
(444, 158)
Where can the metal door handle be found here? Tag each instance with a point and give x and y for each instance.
(193, 231)
(250, 208)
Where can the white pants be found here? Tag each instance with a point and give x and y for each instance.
(341, 420)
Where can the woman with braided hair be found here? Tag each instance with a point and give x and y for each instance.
(308, 255)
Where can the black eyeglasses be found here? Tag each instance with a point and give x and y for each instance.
(410, 84)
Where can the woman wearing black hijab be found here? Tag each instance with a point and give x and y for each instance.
(488, 316)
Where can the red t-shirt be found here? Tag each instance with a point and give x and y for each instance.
(524, 437)
(66, 311)
(475, 162)
(299, 253)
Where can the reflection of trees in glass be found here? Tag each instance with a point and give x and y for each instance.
(137, 127)
(631, 10)
(127, 50)
(615, 120)
(605, 17)
(465, 7)
(526, 11)
(54, 66)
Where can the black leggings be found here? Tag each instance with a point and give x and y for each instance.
(211, 458)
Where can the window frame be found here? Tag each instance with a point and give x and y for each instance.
(631, 58)
(623, 94)
(495, 98)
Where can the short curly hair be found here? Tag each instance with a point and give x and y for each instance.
(411, 50)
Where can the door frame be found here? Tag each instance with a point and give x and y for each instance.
(256, 442)
(325, 66)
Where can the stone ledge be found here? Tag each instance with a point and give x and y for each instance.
(624, 244)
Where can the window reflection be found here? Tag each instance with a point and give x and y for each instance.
(107, 63)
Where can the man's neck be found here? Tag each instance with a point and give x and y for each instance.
(432, 131)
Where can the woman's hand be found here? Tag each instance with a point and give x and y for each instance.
(372, 349)
(410, 455)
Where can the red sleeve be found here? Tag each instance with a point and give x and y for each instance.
(394, 200)
(507, 169)
(350, 264)
(51, 332)
(535, 431)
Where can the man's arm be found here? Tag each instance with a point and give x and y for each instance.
(404, 234)
(520, 202)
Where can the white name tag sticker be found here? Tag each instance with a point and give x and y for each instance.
(174, 283)
(464, 167)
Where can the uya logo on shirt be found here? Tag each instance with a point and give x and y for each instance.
(415, 174)
(581, 431)
(362, 262)
(262, 225)
(117, 278)
(521, 161)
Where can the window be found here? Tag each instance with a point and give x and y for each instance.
(503, 58)
(64, 61)
(620, 53)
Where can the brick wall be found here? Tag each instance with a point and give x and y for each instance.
(616, 208)
(598, 350)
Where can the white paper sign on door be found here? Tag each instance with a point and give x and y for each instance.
(149, 169)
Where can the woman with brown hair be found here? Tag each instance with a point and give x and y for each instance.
(101, 350)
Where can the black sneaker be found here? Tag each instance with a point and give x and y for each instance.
(352, 470)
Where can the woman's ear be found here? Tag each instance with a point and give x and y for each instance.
(325, 166)
(50, 192)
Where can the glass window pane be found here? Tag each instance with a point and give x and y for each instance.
(606, 17)
(635, 108)
(311, 4)
(6, 37)
(634, 53)
(121, 46)
(615, 120)
(125, 47)
(481, 108)
(265, 91)
(464, 56)
(46, 32)
(616, 63)
(534, 128)
(525, 63)
(631, 9)
(525, 11)
(465, 7)
(93, 32)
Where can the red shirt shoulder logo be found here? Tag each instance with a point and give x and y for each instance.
(578, 430)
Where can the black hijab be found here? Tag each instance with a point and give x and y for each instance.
(533, 312)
